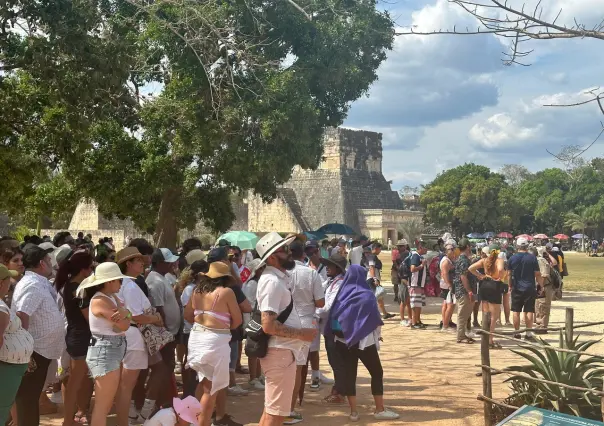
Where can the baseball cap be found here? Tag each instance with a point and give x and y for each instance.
(63, 253)
(223, 243)
(195, 255)
(47, 246)
(217, 254)
(464, 242)
(549, 246)
(7, 273)
(163, 255)
(297, 247)
(33, 255)
(522, 242)
(312, 244)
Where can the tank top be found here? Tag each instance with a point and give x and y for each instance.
(100, 326)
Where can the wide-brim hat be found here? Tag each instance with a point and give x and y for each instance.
(105, 272)
(336, 260)
(254, 265)
(127, 254)
(270, 243)
(194, 256)
(219, 270)
(187, 409)
(300, 237)
(7, 273)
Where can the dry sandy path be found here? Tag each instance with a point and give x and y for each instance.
(428, 378)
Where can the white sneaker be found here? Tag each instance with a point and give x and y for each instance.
(56, 398)
(132, 411)
(386, 415)
(237, 391)
(354, 417)
(256, 384)
(471, 335)
(405, 323)
(326, 380)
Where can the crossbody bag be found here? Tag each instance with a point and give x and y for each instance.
(256, 344)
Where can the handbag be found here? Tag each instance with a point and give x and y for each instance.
(256, 343)
(380, 292)
(155, 337)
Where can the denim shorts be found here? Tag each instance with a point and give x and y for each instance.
(105, 354)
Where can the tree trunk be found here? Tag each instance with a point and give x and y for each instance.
(166, 230)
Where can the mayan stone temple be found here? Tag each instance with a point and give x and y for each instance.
(348, 187)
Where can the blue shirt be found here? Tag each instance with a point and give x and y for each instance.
(523, 267)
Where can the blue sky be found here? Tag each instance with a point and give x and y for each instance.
(441, 101)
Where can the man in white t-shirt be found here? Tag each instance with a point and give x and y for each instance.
(356, 254)
(287, 339)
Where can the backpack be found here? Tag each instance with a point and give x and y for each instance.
(404, 271)
(555, 278)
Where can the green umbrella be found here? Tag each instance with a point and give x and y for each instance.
(243, 239)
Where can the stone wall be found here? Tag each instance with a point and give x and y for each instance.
(275, 216)
(383, 223)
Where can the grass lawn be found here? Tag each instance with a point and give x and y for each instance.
(585, 273)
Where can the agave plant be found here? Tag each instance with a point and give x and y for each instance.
(572, 369)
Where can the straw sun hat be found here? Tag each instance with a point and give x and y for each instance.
(126, 254)
(105, 272)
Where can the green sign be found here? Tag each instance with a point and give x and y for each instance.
(531, 416)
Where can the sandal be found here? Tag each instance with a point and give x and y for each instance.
(467, 341)
(495, 345)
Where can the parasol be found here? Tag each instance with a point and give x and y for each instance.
(243, 239)
(579, 236)
(541, 237)
(561, 237)
(336, 228)
(505, 235)
(475, 235)
(527, 236)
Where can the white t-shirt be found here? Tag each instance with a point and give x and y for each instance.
(162, 295)
(274, 294)
(184, 299)
(250, 288)
(137, 303)
(356, 255)
(307, 287)
(165, 417)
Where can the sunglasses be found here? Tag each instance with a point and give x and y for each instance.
(283, 249)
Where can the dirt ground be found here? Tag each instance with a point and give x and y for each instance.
(428, 378)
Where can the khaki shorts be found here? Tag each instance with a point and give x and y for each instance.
(279, 366)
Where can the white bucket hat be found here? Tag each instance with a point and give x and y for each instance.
(105, 272)
(402, 242)
(269, 244)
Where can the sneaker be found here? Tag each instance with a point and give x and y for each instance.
(422, 325)
(386, 415)
(388, 316)
(452, 324)
(326, 380)
(335, 400)
(440, 326)
(56, 398)
(226, 421)
(178, 368)
(417, 327)
(256, 384)
(471, 335)
(517, 336)
(405, 323)
(132, 411)
(509, 325)
(498, 323)
(354, 417)
(530, 338)
(444, 330)
(237, 391)
(315, 384)
(261, 378)
(293, 419)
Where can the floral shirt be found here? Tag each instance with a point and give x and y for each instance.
(461, 268)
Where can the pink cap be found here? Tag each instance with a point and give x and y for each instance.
(187, 409)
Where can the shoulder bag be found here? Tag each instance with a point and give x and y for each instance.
(256, 343)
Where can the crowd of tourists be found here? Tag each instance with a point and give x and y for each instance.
(156, 336)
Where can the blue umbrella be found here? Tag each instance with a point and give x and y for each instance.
(475, 235)
(579, 236)
(336, 228)
(489, 234)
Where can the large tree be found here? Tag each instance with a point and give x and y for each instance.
(242, 92)
(470, 198)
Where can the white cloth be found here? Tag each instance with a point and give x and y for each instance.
(184, 299)
(356, 255)
(443, 261)
(274, 294)
(306, 289)
(18, 344)
(331, 288)
(171, 278)
(35, 297)
(101, 326)
(162, 295)
(165, 417)
(209, 354)
(371, 339)
(136, 302)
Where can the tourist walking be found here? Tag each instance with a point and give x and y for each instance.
(16, 347)
(35, 302)
(288, 338)
(108, 321)
(72, 271)
(355, 323)
(213, 310)
(463, 291)
(523, 278)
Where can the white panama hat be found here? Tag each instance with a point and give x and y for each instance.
(269, 244)
(105, 272)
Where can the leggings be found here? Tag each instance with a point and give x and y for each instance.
(370, 359)
(11, 379)
(337, 365)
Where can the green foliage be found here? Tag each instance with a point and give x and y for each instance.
(571, 369)
(470, 198)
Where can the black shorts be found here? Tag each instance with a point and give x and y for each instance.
(523, 301)
(490, 291)
(444, 292)
(403, 293)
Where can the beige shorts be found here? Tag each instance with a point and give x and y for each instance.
(136, 360)
(279, 366)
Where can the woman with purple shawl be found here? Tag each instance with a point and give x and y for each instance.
(354, 322)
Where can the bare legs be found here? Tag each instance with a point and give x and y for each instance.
(207, 401)
(75, 386)
(124, 395)
(495, 310)
(105, 388)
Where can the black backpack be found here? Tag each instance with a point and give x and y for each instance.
(404, 271)
(555, 278)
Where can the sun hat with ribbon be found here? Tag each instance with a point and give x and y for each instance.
(105, 272)
(270, 243)
(187, 409)
(126, 254)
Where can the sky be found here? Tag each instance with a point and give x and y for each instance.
(444, 100)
